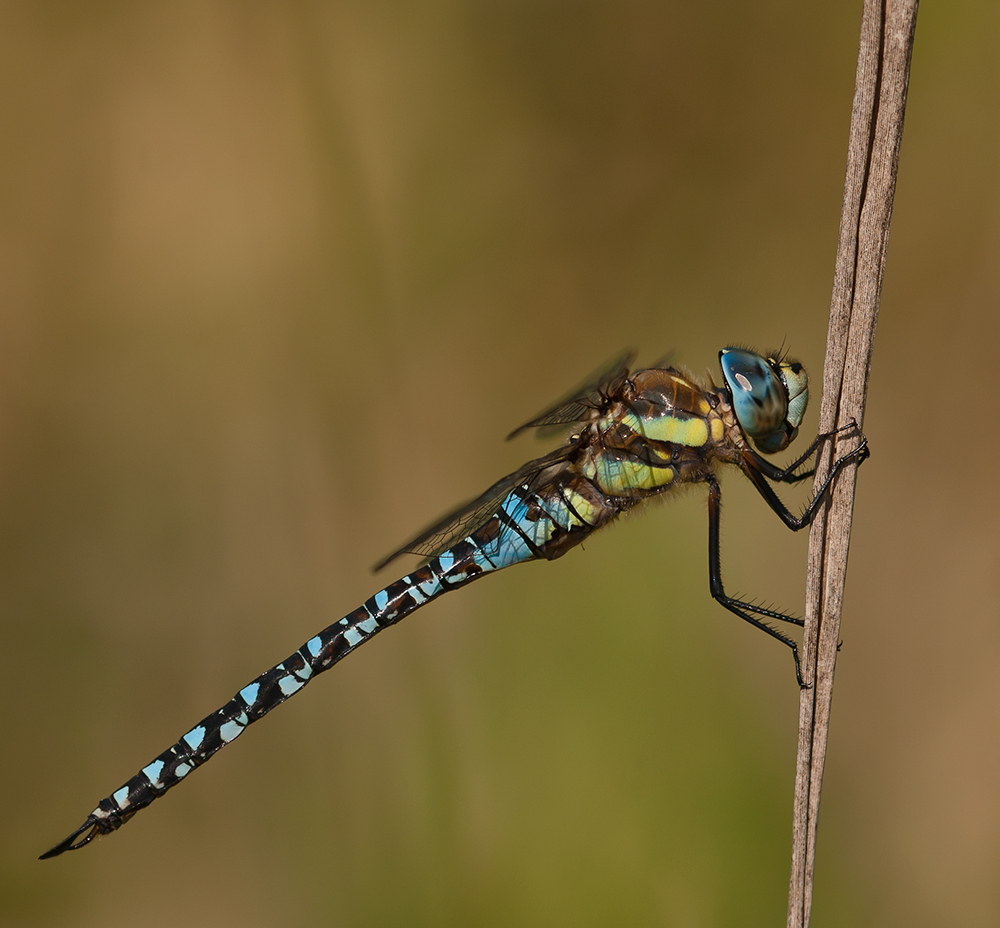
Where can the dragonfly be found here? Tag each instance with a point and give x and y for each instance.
(633, 436)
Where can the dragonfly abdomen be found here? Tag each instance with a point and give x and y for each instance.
(267, 691)
(552, 518)
(525, 527)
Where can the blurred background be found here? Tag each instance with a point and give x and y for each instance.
(277, 278)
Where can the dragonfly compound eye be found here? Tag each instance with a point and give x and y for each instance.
(769, 396)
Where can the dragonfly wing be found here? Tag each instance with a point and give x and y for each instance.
(464, 520)
(576, 406)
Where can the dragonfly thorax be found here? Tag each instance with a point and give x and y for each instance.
(769, 396)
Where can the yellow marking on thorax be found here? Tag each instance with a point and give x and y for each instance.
(621, 477)
(585, 508)
(690, 432)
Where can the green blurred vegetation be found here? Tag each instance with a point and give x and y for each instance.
(278, 277)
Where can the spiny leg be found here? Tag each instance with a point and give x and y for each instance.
(736, 606)
(744, 609)
(788, 475)
(759, 477)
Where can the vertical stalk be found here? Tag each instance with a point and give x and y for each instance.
(887, 29)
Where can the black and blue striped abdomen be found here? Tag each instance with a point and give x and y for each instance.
(529, 524)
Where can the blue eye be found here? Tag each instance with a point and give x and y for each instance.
(769, 396)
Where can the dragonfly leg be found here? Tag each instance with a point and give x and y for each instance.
(746, 611)
(760, 478)
(788, 475)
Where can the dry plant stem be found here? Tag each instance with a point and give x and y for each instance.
(887, 28)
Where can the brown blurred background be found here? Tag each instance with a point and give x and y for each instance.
(276, 279)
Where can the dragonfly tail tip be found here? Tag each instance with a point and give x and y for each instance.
(70, 843)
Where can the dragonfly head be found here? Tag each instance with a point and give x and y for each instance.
(769, 396)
